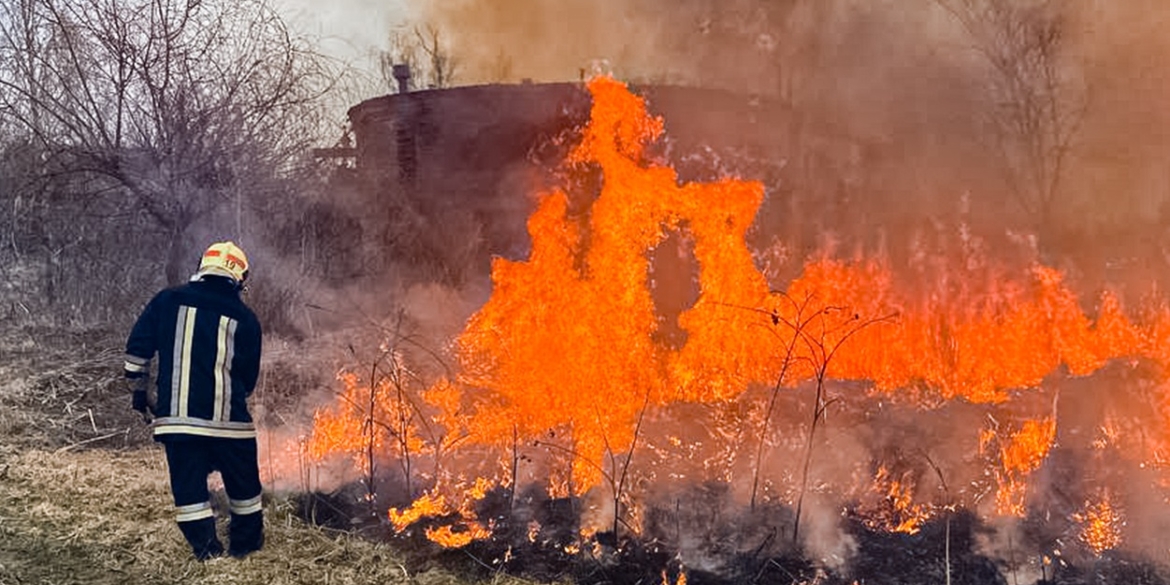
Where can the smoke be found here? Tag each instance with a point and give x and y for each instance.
(901, 88)
(347, 29)
(368, 327)
(824, 538)
(905, 81)
(694, 41)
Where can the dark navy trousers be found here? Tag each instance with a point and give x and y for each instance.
(190, 460)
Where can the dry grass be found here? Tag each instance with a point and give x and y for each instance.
(84, 495)
(103, 517)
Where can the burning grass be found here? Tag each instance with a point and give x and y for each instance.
(962, 383)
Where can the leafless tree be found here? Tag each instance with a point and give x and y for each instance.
(817, 332)
(790, 356)
(424, 51)
(442, 65)
(402, 51)
(617, 475)
(836, 325)
(1038, 95)
(159, 112)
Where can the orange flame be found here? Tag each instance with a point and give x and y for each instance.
(366, 418)
(1020, 453)
(682, 578)
(1101, 524)
(425, 506)
(467, 527)
(896, 511)
(449, 537)
(566, 348)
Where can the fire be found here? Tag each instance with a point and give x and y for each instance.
(468, 527)
(449, 537)
(427, 505)
(369, 419)
(1020, 453)
(682, 578)
(1101, 524)
(564, 357)
(895, 510)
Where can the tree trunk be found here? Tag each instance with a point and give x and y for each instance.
(176, 269)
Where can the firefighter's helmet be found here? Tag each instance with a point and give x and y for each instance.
(224, 259)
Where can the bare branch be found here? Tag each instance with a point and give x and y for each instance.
(1037, 95)
(175, 106)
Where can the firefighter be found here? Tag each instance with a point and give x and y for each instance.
(208, 345)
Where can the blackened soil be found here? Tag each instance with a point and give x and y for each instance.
(541, 542)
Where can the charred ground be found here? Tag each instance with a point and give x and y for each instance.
(537, 537)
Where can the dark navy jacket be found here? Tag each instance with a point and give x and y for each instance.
(208, 345)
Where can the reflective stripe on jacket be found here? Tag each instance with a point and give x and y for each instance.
(208, 344)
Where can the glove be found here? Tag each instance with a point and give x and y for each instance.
(139, 399)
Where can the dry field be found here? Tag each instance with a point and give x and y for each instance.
(84, 495)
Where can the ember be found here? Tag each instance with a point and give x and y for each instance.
(564, 382)
(1101, 524)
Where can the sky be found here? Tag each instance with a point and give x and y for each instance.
(349, 29)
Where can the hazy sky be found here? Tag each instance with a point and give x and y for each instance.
(349, 29)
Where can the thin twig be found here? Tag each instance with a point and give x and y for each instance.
(90, 440)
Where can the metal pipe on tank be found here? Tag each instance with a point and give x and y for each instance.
(401, 72)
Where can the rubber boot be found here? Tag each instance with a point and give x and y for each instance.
(247, 534)
(201, 536)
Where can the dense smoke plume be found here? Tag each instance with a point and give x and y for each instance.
(906, 79)
(694, 42)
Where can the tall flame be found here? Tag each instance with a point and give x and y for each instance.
(565, 355)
